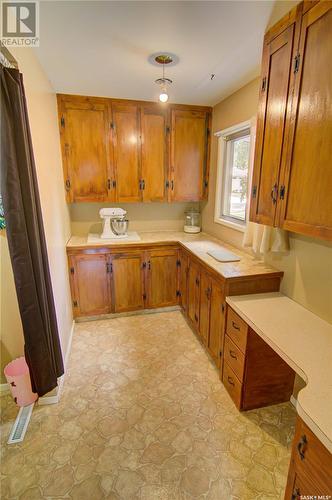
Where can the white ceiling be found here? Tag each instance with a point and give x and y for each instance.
(101, 48)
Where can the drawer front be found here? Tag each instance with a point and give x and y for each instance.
(234, 357)
(237, 329)
(232, 384)
(312, 460)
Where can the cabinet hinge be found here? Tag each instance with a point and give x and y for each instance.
(75, 303)
(264, 84)
(282, 192)
(178, 293)
(208, 132)
(112, 126)
(222, 308)
(167, 184)
(72, 270)
(144, 296)
(178, 263)
(167, 130)
(63, 123)
(109, 267)
(220, 354)
(108, 183)
(144, 265)
(67, 185)
(206, 183)
(254, 191)
(297, 59)
(114, 184)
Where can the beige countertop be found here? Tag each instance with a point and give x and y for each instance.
(199, 244)
(304, 341)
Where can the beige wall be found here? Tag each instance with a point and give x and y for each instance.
(142, 216)
(45, 138)
(308, 265)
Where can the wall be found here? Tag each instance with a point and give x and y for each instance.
(308, 265)
(142, 216)
(45, 138)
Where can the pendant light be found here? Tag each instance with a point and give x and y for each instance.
(163, 82)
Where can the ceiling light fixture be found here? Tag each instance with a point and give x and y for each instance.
(163, 82)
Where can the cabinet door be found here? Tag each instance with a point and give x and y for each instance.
(216, 320)
(204, 315)
(128, 281)
(162, 277)
(307, 204)
(271, 119)
(183, 280)
(86, 148)
(90, 284)
(126, 144)
(153, 139)
(193, 293)
(189, 151)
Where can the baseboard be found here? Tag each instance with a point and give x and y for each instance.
(140, 312)
(53, 397)
(4, 389)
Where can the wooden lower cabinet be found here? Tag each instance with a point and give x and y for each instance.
(90, 285)
(128, 289)
(183, 278)
(162, 277)
(194, 293)
(253, 373)
(309, 474)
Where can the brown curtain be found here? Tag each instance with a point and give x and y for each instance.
(26, 239)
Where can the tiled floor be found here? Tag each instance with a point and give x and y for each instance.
(144, 416)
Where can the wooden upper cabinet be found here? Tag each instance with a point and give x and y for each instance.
(86, 148)
(162, 277)
(154, 152)
(126, 145)
(306, 206)
(189, 152)
(128, 281)
(271, 120)
(90, 284)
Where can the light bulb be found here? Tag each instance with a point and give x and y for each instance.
(163, 96)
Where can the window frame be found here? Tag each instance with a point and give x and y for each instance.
(223, 145)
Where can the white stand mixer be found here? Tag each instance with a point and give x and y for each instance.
(115, 224)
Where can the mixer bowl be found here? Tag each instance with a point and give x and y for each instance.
(119, 226)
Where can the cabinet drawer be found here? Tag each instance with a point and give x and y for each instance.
(234, 357)
(232, 384)
(312, 460)
(237, 329)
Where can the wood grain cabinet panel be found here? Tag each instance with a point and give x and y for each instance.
(204, 315)
(216, 320)
(86, 148)
(189, 154)
(90, 284)
(154, 152)
(126, 145)
(274, 93)
(183, 279)
(194, 293)
(306, 204)
(310, 466)
(162, 277)
(128, 290)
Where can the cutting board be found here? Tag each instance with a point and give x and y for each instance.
(223, 255)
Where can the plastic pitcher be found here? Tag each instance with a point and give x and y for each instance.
(18, 377)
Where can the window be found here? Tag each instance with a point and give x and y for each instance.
(233, 175)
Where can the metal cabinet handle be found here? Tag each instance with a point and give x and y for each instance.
(301, 446)
(235, 326)
(172, 185)
(230, 380)
(143, 184)
(232, 354)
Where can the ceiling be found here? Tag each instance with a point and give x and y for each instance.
(102, 48)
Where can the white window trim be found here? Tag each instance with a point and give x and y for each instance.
(222, 147)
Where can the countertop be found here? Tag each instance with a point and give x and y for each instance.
(304, 341)
(199, 244)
